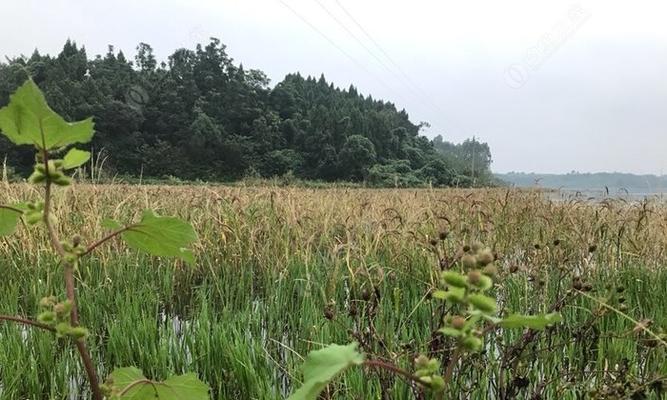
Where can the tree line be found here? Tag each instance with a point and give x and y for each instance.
(200, 115)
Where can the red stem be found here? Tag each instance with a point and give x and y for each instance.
(70, 286)
(29, 322)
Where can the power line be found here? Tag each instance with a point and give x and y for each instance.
(349, 32)
(395, 64)
(340, 49)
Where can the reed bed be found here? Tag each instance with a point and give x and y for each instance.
(277, 269)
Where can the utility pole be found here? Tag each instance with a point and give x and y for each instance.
(474, 180)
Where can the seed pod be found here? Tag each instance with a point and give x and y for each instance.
(421, 361)
(433, 242)
(472, 343)
(47, 301)
(592, 248)
(62, 180)
(443, 235)
(466, 248)
(62, 329)
(485, 257)
(474, 277)
(454, 279)
(483, 303)
(76, 240)
(36, 178)
(458, 322)
(47, 317)
(490, 270)
(468, 261)
(78, 332)
(557, 242)
(33, 217)
(476, 246)
(64, 308)
(55, 175)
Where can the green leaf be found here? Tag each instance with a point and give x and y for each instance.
(9, 218)
(538, 322)
(111, 224)
(322, 366)
(75, 158)
(130, 383)
(161, 236)
(28, 119)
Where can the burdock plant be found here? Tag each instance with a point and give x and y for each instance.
(28, 120)
(471, 316)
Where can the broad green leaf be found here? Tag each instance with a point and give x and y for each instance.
(161, 236)
(28, 119)
(130, 383)
(123, 377)
(111, 224)
(322, 366)
(538, 322)
(9, 218)
(75, 158)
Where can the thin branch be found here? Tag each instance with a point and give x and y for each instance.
(105, 239)
(10, 208)
(394, 369)
(29, 322)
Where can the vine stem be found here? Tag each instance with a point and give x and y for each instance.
(26, 321)
(105, 239)
(68, 268)
(394, 369)
(451, 364)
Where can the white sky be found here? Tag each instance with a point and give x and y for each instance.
(586, 89)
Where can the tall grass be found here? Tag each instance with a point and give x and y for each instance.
(270, 260)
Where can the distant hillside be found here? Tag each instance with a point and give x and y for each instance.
(613, 181)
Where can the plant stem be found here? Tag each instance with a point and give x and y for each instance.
(68, 268)
(29, 322)
(394, 369)
(450, 366)
(105, 239)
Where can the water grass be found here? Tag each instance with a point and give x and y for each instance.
(271, 260)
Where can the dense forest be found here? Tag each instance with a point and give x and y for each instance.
(199, 115)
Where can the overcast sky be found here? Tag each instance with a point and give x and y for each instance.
(551, 86)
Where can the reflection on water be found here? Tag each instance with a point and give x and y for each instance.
(565, 194)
